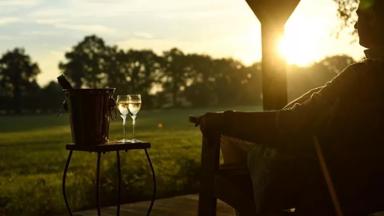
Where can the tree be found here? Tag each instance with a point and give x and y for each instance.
(228, 80)
(51, 97)
(250, 92)
(200, 87)
(87, 63)
(222, 82)
(303, 79)
(135, 71)
(17, 76)
(117, 77)
(345, 11)
(334, 64)
(177, 70)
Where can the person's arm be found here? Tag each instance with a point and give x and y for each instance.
(306, 115)
(312, 113)
(257, 127)
(251, 126)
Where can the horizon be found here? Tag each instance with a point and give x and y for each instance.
(46, 30)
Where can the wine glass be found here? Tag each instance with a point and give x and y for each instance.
(134, 105)
(122, 105)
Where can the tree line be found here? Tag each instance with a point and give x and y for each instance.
(171, 79)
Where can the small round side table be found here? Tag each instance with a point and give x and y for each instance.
(109, 147)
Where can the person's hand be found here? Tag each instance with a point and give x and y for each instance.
(210, 122)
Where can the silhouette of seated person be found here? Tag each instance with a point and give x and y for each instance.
(347, 114)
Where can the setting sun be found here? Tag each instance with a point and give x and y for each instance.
(305, 39)
(310, 35)
(300, 47)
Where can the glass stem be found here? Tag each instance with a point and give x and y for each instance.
(124, 128)
(133, 126)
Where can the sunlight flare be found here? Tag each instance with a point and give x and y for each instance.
(308, 33)
(300, 44)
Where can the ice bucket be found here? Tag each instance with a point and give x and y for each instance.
(90, 113)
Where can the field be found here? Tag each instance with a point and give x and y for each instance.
(32, 158)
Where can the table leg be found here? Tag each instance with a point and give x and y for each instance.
(118, 183)
(63, 182)
(154, 183)
(98, 183)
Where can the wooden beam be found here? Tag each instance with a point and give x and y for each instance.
(273, 15)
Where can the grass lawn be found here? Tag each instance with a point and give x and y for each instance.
(32, 158)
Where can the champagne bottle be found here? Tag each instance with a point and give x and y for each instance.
(64, 83)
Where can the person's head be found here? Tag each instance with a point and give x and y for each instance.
(370, 23)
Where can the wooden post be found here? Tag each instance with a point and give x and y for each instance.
(274, 76)
(273, 15)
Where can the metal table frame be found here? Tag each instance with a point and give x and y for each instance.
(109, 147)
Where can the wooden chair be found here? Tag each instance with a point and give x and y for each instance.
(231, 184)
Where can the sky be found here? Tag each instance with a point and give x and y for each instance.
(221, 28)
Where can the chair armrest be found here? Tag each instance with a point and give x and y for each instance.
(194, 120)
(210, 150)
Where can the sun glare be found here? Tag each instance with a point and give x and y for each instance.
(307, 35)
(300, 45)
